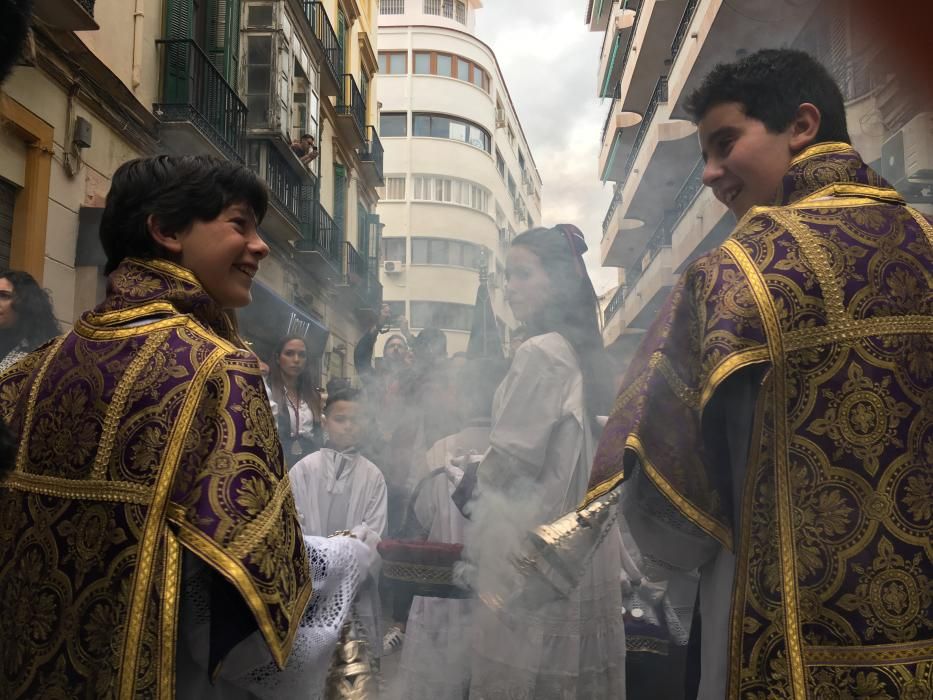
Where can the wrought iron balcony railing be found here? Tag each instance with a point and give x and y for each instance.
(284, 184)
(326, 37)
(351, 103)
(195, 91)
(681, 33)
(614, 305)
(693, 183)
(372, 151)
(616, 200)
(659, 95)
(319, 234)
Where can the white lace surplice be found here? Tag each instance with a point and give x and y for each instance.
(338, 568)
(537, 470)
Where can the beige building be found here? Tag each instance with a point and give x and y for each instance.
(655, 52)
(110, 80)
(460, 177)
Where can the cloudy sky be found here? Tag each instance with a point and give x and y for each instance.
(549, 59)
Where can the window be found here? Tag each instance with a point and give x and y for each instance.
(461, 11)
(500, 163)
(443, 127)
(451, 190)
(444, 65)
(444, 251)
(258, 79)
(392, 7)
(393, 62)
(259, 16)
(450, 66)
(437, 314)
(395, 187)
(521, 161)
(394, 249)
(511, 135)
(422, 62)
(512, 187)
(393, 124)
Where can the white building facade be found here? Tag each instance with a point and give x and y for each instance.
(655, 53)
(460, 180)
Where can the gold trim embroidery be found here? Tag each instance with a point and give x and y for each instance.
(31, 403)
(731, 364)
(171, 575)
(84, 489)
(691, 397)
(821, 149)
(91, 333)
(169, 268)
(854, 330)
(849, 189)
(220, 561)
(819, 263)
(118, 318)
(771, 321)
(923, 223)
(875, 655)
(118, 402)
(257, 528)
(715, 529)
(142, 576)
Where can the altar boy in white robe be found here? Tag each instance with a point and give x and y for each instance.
(336, 488)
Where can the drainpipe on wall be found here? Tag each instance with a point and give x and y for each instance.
(138, 17)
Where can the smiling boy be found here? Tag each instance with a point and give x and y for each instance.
(796, 361)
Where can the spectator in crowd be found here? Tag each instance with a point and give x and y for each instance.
(295, 398)
(305, 149)
(26, 317)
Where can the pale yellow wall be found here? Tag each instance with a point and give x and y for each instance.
(113, 43)
(34, 90)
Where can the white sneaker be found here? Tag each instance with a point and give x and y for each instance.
(392, 641)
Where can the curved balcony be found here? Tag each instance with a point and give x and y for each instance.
(653, 279)
(372, 156)
(325, 47)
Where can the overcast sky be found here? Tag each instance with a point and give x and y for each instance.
(549, 59)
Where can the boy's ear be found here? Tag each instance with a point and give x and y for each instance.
(805, 127)
(169, 241)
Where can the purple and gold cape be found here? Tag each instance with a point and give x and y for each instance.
(831, 290)
(143, 431)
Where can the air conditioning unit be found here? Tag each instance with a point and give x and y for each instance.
(907, 157)
(392, 267)
(500, 118)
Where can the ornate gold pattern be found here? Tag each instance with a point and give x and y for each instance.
(832, 288)
(121, 430)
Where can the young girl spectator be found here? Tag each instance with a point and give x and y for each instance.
(296, 400)
(26, 318)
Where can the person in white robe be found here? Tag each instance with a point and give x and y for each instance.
(336, 489)
(536, 469)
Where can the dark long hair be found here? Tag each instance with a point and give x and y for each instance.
(573, 311)
(307, 386)
(36, 322)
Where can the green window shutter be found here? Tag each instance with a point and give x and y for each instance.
(362, 230)
(179, 24)
(342, 40)
(340, 201)
(223, 37)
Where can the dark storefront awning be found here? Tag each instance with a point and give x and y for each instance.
(269, 318)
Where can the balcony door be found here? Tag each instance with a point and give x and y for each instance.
(214, 25)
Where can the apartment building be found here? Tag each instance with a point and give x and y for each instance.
(461, 181)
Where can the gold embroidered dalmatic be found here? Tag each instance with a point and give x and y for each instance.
(142, 432)
(831, 289)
